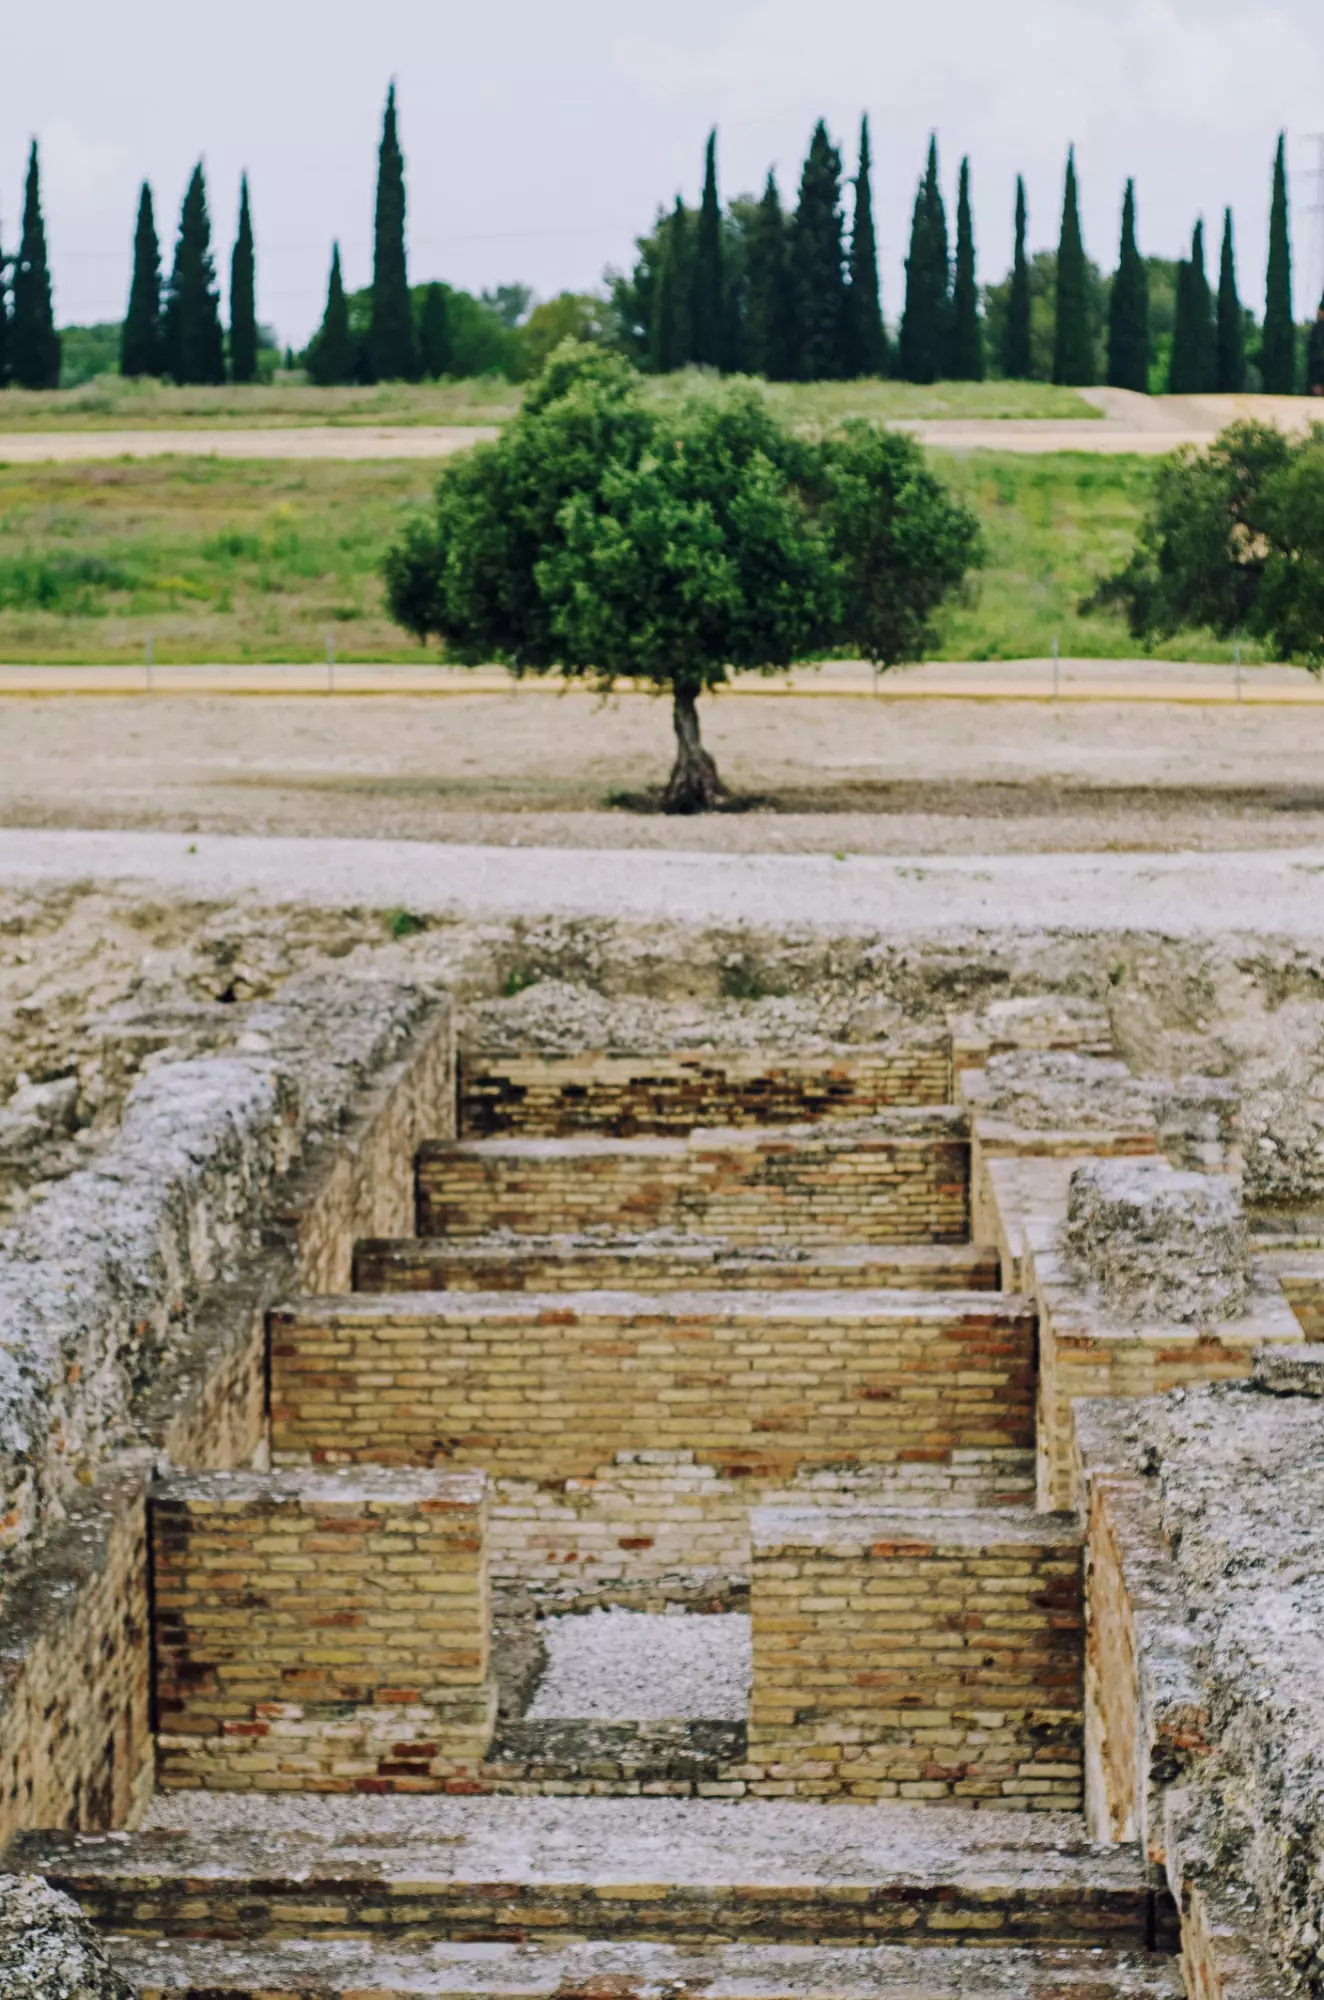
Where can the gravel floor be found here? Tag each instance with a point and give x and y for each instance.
(635, 1666)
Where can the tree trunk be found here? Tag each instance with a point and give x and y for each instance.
(694, 785)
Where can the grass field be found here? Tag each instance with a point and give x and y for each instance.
(110, 403)
(246, 561)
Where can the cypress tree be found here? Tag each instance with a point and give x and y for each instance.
(1278, 347)
(1181, 361)
(818, 281)
(392, 352)
(331, 350)
(140, 336)
(1191, 370)
(34, 345)
(926, 322)
(1128, 309)
(673, 320)
(1315, 356)
(192, 343)
(434, 334)
(768, 315)
(1073, 346)
(967, 356)
(706, 293)
(1016, 348)
(866, 336)
(1230, 339)
(243, 296)
(4, 320)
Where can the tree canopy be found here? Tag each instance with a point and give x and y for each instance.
(602, 539)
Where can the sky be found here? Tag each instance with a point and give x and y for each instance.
(539, 139)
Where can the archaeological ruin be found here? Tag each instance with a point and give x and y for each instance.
(522, 1481)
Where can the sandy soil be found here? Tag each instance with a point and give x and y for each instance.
(313, 441)
(817, 775)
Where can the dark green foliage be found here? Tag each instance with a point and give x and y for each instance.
(925, 343)
(768, 319)
(5, 327)
(1230, 334)
(392, 353)
(434, 338)
(1042, 285)
(707, 291)
(1315, 355)
(243, 296)
(1233, 541)
(89, 351)
(34, 345)
(967, 355)
(192, 343)
(330, 356)
(866, 336)
(1278, 346)
(599, 539)
(1073, 345)
(1128, 308)
(672, 329)
(818, 281)
(1016, 340)
(140, 340)
(1191, 369)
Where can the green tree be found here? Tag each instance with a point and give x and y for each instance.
(243, 295)
(818, 282)
(1278, 346)
(967, 355)
(1315, 357)
(1128, 308)
(767, 301)
(569, 316)
(925, 343)
(603, 540)
(707, 291)
(1230, 335)
(330, 357)
(1016, 342)
(34, 345)
(392, 353)
(866, 336)
(5, 350)
(434, 339)
(672, 330)
(140, 336)
(1191, 369)
(1073, 346)
(192, 342)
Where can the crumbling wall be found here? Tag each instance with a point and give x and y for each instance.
(1159, 1244)
(48, 1950)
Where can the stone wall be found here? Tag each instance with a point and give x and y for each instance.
(917, 1656)
(537, 1387)
(321, 1631)
(48, 1950)
(899, 1179)
(549, 1096)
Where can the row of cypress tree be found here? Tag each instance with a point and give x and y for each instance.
(29, 344)
(175, 328)
(1209, 340)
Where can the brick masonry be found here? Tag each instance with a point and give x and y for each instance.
(321, 1631)
(539, 1387)
(899, 1179)
(542, 1096)
(917, 1656)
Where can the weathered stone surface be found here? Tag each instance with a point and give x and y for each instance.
(1056, 1090)
(48, 1950)
(1158, 1243)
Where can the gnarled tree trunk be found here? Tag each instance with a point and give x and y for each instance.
(694, 785)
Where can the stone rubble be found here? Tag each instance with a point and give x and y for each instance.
(1160, 1244)
(47, 1951)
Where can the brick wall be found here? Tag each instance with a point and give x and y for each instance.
(673, 1264)
(552, 1096)
(540, 1387)
(321, 1631)
(917, 1656)
(897, 1181)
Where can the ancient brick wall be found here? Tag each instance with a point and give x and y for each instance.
(920, 1656)
(901, 1181)
(547, 1096)
(542, 1388)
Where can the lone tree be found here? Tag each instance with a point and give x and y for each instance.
(601, 540)
(34, 345)
(392, 350)
(1128, 308)
(866, 336)
(1016, 341)
(1278, 346)
(331, 349)
(140, 336)
(193, 343)
(967, 356)
(1073, 346)
(1230, 333)
(243, 296)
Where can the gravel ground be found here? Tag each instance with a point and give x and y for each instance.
(634, 1666)
(1183, 896)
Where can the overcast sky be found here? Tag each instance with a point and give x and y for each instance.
(540, 137)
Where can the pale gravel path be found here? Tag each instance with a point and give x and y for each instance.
(1176, 895)
(324, 441)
